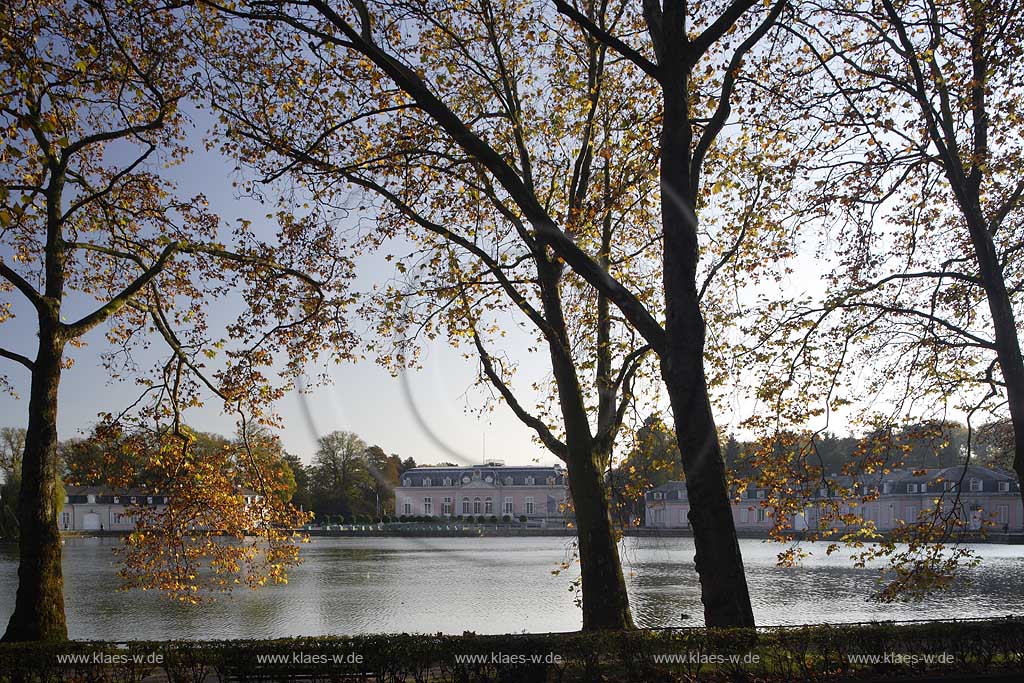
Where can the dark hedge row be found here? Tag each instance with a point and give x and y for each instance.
(774, 654)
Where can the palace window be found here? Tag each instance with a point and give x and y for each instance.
(446, 506)
(428, 506)
(761, 514)
(682, 517)
(476, 506)
(407, 507)
(507, 507)
(488, 506)
(465, 506)
(528, 505)
(1003, 514)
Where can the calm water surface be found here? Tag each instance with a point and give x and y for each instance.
(490, 585)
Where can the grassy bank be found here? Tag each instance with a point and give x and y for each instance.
(957, 650)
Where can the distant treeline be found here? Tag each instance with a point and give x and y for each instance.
(347, 481)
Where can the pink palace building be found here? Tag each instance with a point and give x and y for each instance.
(539, 493)
(984, 495)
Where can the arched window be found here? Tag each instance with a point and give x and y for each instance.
(476, 506)
(447, 481)
(508, 481)
(488, 506)
(465, 506)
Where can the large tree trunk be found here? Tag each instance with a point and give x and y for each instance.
(1004, 325)
(605, 601)
(718, 559)
(39, 605)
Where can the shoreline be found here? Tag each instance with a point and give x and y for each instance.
(486, 531)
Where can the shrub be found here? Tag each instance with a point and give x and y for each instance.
(493, 520)
(522, 519)
(403, 518)
(784, 655)
(506, 519)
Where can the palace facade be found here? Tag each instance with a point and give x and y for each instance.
(536, 492)
(985, 495)
(101, 508)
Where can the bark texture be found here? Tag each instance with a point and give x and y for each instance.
(39, 604)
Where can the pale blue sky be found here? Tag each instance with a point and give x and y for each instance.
(364, 398)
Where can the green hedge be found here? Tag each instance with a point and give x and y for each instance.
(774, 654)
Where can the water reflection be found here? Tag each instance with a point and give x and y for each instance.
(490, 585)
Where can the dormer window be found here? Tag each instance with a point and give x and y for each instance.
(116, 500)
(658, 495)
(426, 481)
(465, 479)
(447, 481)
(529, 481)
(887, 487)
(1004, 486)
(488, 479)
(508, 481)
(407, 482)
(975, 485)
(551, 481)
(911, 488)
(149, 500)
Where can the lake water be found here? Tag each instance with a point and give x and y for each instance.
(491, 585)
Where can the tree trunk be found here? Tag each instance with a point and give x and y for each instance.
(1005, 326)
(718, 559)
(605, 601)
(39, 605)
